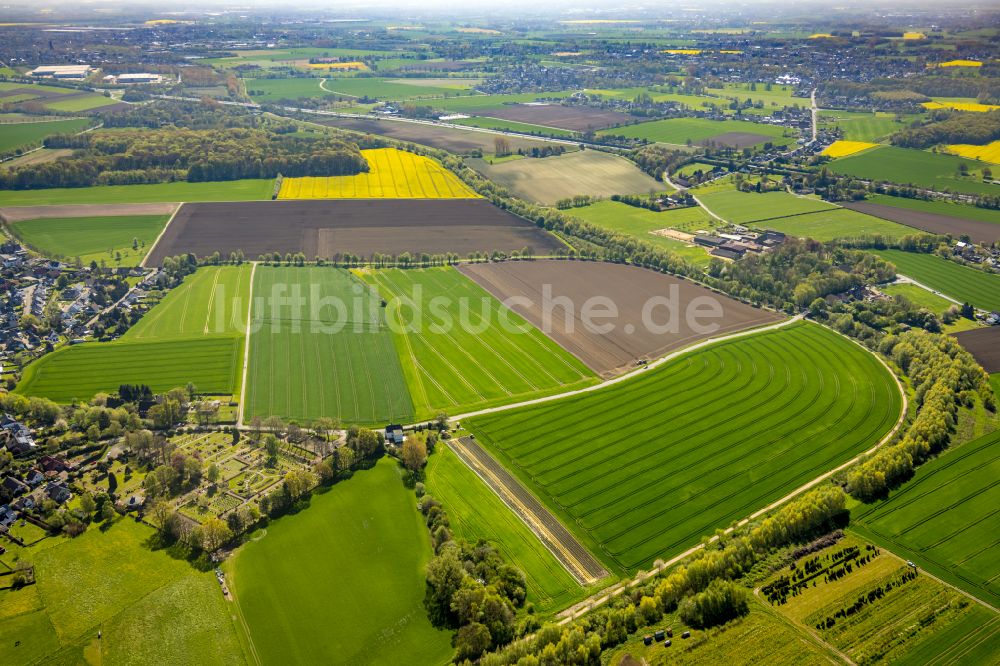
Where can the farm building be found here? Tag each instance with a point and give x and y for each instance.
(137, 78)
(394, 434)
(61, 71)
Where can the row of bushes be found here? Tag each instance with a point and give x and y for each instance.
(943, 376)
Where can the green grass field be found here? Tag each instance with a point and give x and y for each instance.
(212, 301)
(30, 134)
(746, 207)
(940, 207)
(513, 126)
(944, 519)
(776, 97)
(195, 334)
(272, 90)
(321, 361)
(935, 171)
(641, 224)
(481, 104)
(145, 603)
(456, 353)
(835, 223)
(80, 371)
(343, 581)
(960, 282)
(681, 130)
(477, 513)
(82, 103)
(232, 190)
(101, 239)
(644, 469)
(864, 126)
(918, 296)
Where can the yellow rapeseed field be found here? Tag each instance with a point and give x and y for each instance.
(914, 35)
(393, 174)
(957, 63)
(360, 66)
(961, 106)
(821, 35)
(682, 51)
(988, 153)
(845, 148)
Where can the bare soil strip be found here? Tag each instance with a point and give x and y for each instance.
(737, 139)
(577, 560)
(979, 232)
(461, 141)
(984, 344)
(17, 214)
(574, 118)
(630, 289)
(363, 227)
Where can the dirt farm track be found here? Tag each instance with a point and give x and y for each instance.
(357, 226)
(629, 288)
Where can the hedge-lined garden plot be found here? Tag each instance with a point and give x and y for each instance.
(960, 282)
(362, 227)
(630, 289)
(644, 469)
(945, 518)
(317, 360)
(457, 354)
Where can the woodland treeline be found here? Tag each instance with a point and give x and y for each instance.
(951, 127)
(171, 154)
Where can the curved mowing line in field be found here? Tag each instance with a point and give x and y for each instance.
(654, 463)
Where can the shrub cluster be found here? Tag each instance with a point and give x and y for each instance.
(943, 376)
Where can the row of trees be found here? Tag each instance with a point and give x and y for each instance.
(470, 587)
(944, 376)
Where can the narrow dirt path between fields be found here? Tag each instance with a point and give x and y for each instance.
(246, 350)
(576, 559)
(142, 264)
